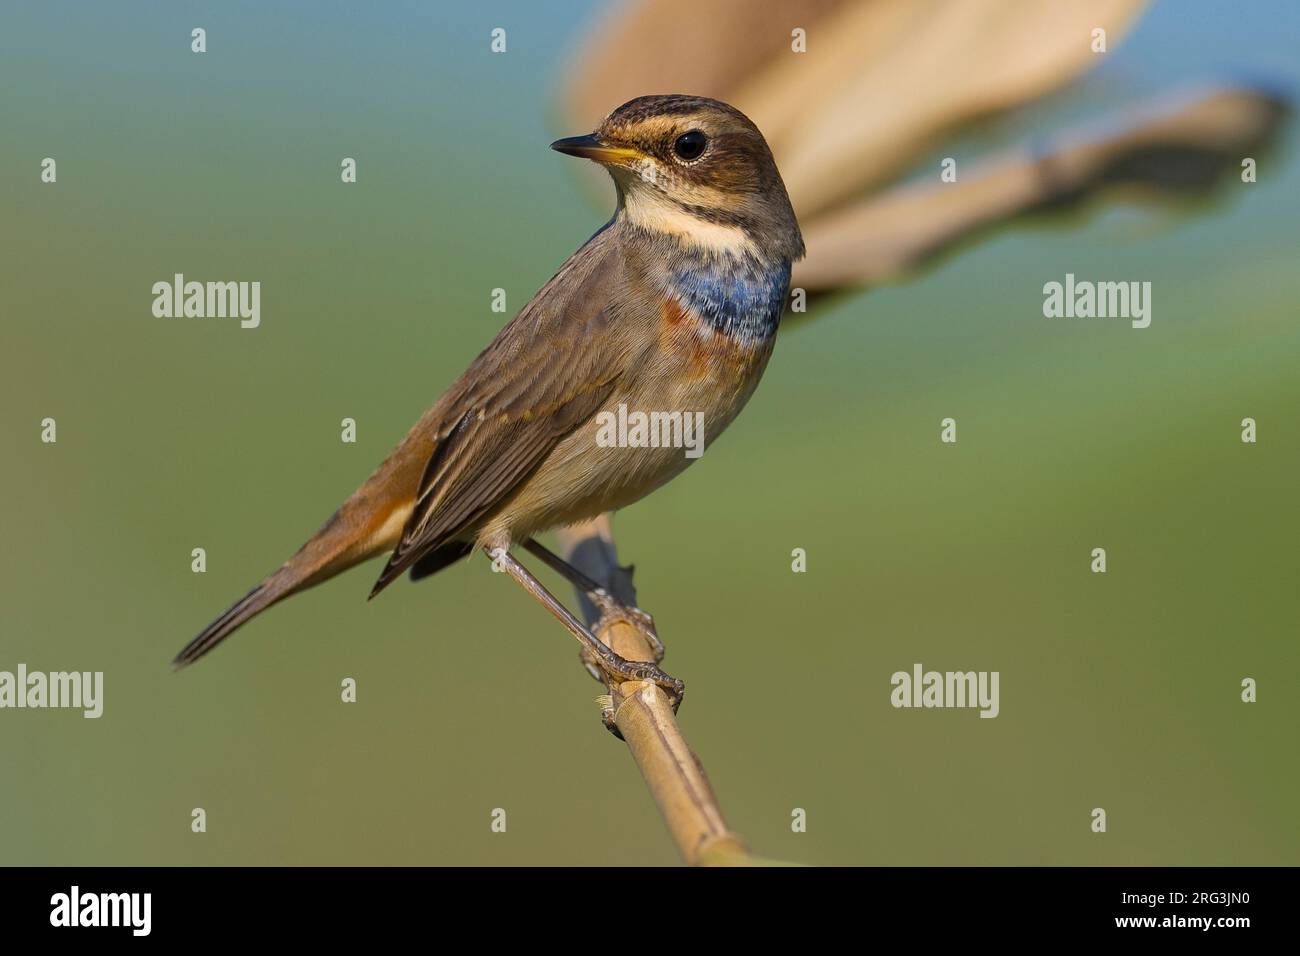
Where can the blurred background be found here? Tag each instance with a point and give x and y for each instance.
(1118, 691)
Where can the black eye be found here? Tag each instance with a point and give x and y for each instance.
(690, 145)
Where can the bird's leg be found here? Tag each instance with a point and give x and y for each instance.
(606, 603)
(614, 669)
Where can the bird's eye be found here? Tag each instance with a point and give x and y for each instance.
(690, 145)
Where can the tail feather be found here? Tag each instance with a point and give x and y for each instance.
(367, 524)
(346, 539)
(254, 602)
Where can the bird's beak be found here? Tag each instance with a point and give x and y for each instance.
(592, 147)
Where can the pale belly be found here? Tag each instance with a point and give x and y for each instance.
(610, 462)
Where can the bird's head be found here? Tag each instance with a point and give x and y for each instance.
(698, 170)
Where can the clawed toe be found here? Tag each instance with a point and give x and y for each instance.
(611, 609)
(611, 669)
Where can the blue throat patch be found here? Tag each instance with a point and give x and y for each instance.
(738, 299)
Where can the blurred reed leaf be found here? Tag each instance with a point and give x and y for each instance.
(883, 81)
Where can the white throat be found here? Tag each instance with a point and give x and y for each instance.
(646, 207)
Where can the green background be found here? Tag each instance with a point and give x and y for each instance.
(1118, 690)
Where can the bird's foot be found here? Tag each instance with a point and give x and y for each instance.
(612, 609)
(611, 669)
(619, 628)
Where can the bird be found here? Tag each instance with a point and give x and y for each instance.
(671, 307)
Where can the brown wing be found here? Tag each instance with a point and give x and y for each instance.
(549, 371)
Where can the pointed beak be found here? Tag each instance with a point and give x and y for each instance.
(592, 147)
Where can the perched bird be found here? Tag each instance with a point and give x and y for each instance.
(672, 306)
